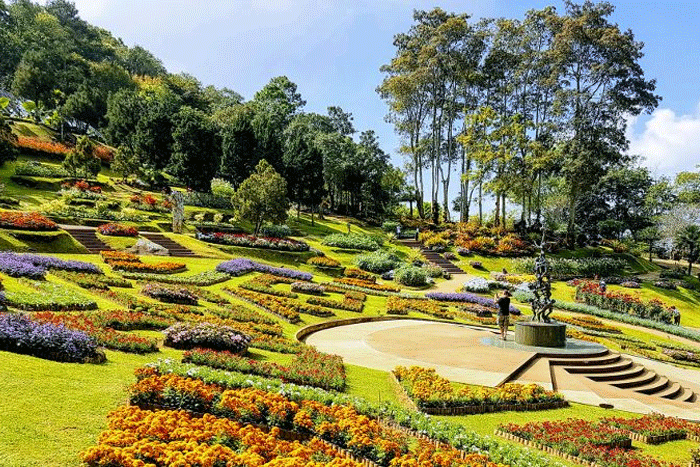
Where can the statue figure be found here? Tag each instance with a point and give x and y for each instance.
(178, 210)
(542, 303)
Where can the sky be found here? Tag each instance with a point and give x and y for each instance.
(333, 51)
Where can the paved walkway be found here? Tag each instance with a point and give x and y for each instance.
(469, 354)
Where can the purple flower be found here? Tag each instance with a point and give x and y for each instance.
(240, 266)
(35, 266)
(467, 297)
(19, 334)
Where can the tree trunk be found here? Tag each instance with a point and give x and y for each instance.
(503, 210)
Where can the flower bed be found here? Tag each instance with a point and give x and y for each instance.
(40, 147)
(337, 424)
(323, 262)
(169, 294)
(409, 421)
(108, 256)
(207, 335)
(436, 395)
(348, 303)
(352, 241)
(581, 441)
(263, 284)
(201, 279)
(369, 440)
(26, 221)
(118, 230)
(360, 274)
(122, 320)
(588, 322)
(135, 435)
(366, 284)
(469, 298)
(308, 288)
(250, 241)
(401, 306)
(241, 266)
(652, 428)
(94, 326)
(286, 308)
(19, 334)
(310, 367)
(92, 281)
(164, 267)
(35, 266)
(591, 294)
(45, 296)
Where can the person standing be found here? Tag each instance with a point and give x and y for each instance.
(503, 303)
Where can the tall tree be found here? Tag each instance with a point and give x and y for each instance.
(688, 242)
(196, 149)
(602, 83)
(262, 197)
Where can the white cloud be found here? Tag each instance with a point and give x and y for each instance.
(669, 143)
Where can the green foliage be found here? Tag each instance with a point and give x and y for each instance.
(377, 261)
(353, 241)
(262, 197)
(579, 267)
(688, 241)
(125, 162)
(196, 149)
(411, 276)
(81, 160)
(276, 231)
(222, 188)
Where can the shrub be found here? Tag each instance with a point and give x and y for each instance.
(276, 231)
(210, 336)
(19, 334)
(411, 276)
(377, 262)
(118, 230)
(390, 226)
(476, 284)
(37, 169)
(561, 268)
(433, 271)
(353, 241)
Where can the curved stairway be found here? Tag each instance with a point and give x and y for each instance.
(174, 248)
(614, 369)
(433, 257)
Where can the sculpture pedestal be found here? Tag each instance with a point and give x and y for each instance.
(538, 334)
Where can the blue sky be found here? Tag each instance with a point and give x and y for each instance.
(333, 50)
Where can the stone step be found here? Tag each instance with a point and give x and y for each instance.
(687, 395)
(638, 381)
(88, 239)
(655, 387)
(595, 360)
(174, 248)
(629, 372)
(613, 367)
(672, 391)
